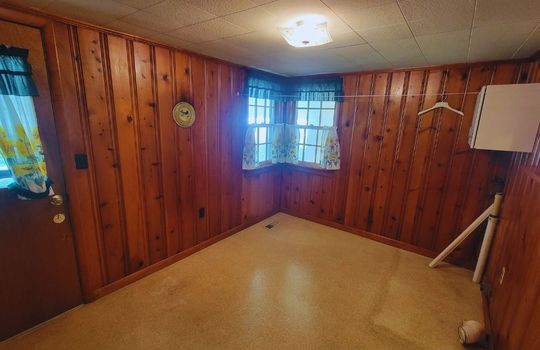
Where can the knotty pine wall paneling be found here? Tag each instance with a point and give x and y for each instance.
(513, 266)
(407, 180)
(156, 191)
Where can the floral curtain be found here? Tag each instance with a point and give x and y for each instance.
(330, 149)
(20, 144)
(249, 158)
(285, 144)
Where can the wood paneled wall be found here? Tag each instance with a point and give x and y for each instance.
(514, 264)
(153, 190)
(406, 180)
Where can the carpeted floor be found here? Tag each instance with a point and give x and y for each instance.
(299, 285)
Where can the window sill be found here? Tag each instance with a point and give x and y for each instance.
(265, 168)
(310, 169)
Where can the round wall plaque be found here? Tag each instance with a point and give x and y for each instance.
(184, 114)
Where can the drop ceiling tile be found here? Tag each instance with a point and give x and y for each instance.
(254, 19)
(531, 46)
(431, 17)
(357, 4)
(401, 53)
(362, 54)
(92, 11)
(498, 40)
(445, 48)
(344, 39)
(129, 28)
(169, 40)
(139, 4)
(206, 31)
(364, 18)
(392, 32)
(169, 14)
(504, 10)
(285, 10)
(37, 4)
(261, 42)
(221, 8)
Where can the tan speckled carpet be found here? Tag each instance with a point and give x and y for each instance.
(300, 285)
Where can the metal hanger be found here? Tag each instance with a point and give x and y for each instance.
(441, 105)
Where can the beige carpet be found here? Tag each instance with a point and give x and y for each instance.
(299, 285)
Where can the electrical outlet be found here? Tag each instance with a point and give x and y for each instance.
(202, 213)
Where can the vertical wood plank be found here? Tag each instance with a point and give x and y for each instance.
(104, 151)
(148, 130)
(121, 64)
(200, 145)
(183, 92)
(167, 133)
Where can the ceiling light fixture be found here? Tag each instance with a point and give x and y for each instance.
(306, 31)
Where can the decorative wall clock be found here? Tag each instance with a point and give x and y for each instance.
(184, 114)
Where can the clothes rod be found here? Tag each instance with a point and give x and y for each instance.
(398, 95)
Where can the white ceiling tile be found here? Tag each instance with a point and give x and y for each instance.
(402, 52)
(172, 14)
(498, 40)
(254, 19)
(93, 11)
(362, 54)
(431, 17)
(504, 10)
(344, 39)
(139, 4)
(262, 42)
(169, 40)
(129, 28)
(37, 4)
(370, 17)
(357, 4)
(392, 32)
(209, 30)
(531, 46)
(445, 48)
(221, 8)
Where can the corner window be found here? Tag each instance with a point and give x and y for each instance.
(5, 174)
(261, 115)
(312, 118)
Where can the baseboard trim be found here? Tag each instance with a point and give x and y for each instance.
(365, 234)
(100, 292)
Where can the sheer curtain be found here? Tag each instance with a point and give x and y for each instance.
(20, 144)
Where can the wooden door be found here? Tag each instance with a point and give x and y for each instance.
(38, 268)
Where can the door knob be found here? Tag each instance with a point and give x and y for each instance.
(56, 199)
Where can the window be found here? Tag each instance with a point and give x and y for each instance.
(5, 175)
(313, 117)
(260, 116)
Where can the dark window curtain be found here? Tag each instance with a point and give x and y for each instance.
(265, 85)
(15, 72)
(316, 89)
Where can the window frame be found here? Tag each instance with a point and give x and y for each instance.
(303, 135)
(270, 106)
(5, 173)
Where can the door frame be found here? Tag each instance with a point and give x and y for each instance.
(79, 183)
